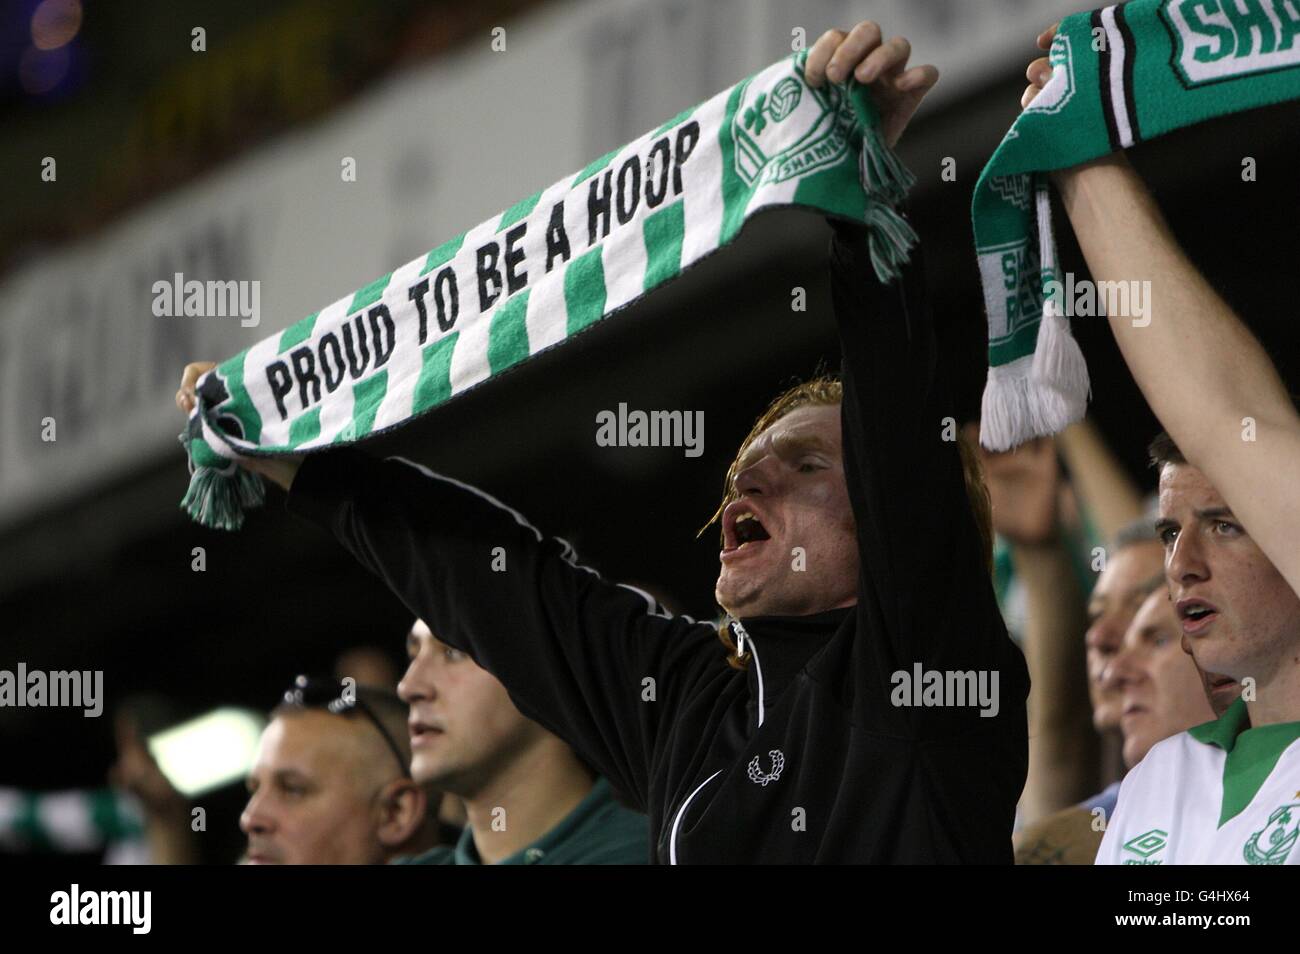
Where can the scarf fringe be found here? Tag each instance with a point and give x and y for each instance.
(1021, 403)
(1060, 371)
(1005, 406)
(886, 182)
(890, 240)
(218, 499)
(883, 173)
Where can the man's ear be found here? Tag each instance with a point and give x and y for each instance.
(402, 805)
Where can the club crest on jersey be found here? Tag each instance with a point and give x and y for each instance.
(1272, 843)
(821, 119)
(1214, 40)
(756, 773)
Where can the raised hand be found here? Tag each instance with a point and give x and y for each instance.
(896, 90)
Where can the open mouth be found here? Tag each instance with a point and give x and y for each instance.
(748, 529)
(1196, 616)
(423, 733)
(742, 530)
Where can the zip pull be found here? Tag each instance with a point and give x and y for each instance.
(741, 636)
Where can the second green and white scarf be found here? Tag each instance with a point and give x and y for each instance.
(1121, 75)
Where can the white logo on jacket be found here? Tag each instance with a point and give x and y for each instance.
(756, 773)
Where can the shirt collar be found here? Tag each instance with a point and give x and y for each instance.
(1227, 730)
(1224, 730)
(785, 644)
(467, 851)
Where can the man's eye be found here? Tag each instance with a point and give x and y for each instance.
(808, 466)
(453, 655)
(1223, 526)
(1168, 535)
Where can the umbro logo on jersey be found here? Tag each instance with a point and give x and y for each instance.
(1145, 845)
(1214, 40)
(756, 773)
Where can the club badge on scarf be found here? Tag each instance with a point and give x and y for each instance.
(1120, 75)
(544, 270)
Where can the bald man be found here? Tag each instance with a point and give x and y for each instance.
(331, 783)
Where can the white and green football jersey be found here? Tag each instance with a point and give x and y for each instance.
(1220, 793)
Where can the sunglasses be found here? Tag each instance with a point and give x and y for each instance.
(333, 696)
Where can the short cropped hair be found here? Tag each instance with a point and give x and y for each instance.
(390, 710)
(1162, 450)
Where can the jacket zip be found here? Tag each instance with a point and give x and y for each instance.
(741, 638)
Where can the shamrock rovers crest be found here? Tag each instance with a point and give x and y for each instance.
(1272, 843)
(784, 128)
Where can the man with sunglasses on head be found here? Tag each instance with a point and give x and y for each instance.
(331, 783)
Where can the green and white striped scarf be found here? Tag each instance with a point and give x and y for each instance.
(1121, 75)
(544, 270)
(68, 821)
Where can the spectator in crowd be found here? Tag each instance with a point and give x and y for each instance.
(791, 745)
(529, 799)
(1162, 694)
(1159, 683)
(1133, 566)
(1228, 521)
(1070, 643)
(1241, 619)
(331, 783)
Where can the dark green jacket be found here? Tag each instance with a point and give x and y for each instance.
(599, 831)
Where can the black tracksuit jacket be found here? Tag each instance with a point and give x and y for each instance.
(802, 756)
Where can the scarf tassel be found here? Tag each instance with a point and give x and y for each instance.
(218, 499)
(886, 182)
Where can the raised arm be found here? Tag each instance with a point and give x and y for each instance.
(1107, 493)
(601, 665)
(924, 592)
(1204, 374)
(573, 650)
(1024, 486)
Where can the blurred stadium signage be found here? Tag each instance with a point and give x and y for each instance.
(87, 369)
